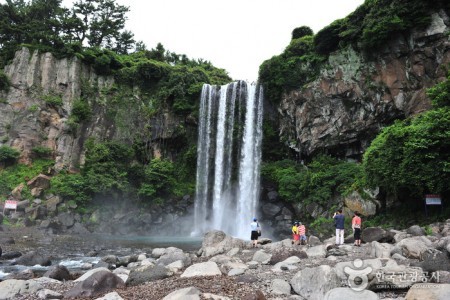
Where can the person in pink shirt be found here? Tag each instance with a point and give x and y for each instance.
(356, 226)
(302, 233)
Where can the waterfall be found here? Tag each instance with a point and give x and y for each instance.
(228, 158)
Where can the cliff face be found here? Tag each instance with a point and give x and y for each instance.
(27, 120)
(357, 94)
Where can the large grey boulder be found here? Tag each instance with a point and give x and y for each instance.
(413, 247)
(89, 274)
(380, 250)
(95, 285)
(316, 251)
(435, 260)
(217, 242)
(355, 202)
(208, 268)
(59, 273)
(280, 287)
(148, 273)
(415, 230)
(11, 288)
(262, 257)
(189, 293)
(377, 234)
(173, 254)
(314, 283)
(33, 258)
(49, 294)
(428, 291)
(394, 276)
(345, 269)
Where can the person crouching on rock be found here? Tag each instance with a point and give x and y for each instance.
(255, 232)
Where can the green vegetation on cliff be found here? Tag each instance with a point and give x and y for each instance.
(316, 182)
(406, 160)
(412, 157)
(369, 27)
(111, 171)
(13, 175)
(151, 87)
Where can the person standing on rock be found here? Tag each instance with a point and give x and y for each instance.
(339, 224)
(295, 235)
(302, 233)
(255, 232)
(356, 226)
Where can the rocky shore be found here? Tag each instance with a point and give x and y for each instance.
(390, 264)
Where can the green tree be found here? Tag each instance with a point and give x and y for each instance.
(412, 155)
(315, 183)
(158, 179)
(439, 94)
(302, 31)
(102, 24)
(8, 155)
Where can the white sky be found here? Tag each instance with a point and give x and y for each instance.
(236, 35)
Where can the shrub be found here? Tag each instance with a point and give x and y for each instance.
(102, 64)
(81, 110)
(16, 174)
(412, 156)
(315, 183)
(8, 155)
(327, 39)
(4, 81)
(71, 186)
(299, 46)
(440, 93)
(300, 32)
(53, 100)
(158, 179)
(41, 151)
(33, 108)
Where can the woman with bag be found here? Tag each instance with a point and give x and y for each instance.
(256, 231)
(356, 226)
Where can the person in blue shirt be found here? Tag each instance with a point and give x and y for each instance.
(339, 224)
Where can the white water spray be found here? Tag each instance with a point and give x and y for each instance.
(228, 158)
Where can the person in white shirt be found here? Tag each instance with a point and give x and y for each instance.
(255, 232)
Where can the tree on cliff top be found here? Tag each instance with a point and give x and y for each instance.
(101, 23)
(46, 25)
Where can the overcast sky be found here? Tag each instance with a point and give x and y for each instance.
(236, 35)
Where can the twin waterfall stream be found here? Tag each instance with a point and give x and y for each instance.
(228, 158)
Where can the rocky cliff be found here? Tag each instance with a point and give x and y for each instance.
(28, 119)
(358, 93)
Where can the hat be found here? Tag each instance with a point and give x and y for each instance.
(254, 219)
(299, 223)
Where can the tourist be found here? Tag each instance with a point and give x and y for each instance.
(356, 226)
(339, 224)
(256, 231)
(295, 235)
(302, 233)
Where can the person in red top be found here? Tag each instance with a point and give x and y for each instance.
(302, 233)
(356, 225)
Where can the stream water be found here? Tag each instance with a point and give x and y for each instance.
(74, 251)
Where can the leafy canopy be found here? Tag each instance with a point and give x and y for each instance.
(315, 183)
(414, 155)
